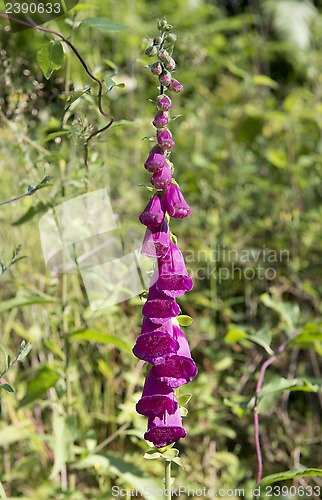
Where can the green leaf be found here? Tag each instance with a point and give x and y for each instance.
(53, 135)
(6, 357)
(54, 348)
(184, 399)
(172, 453)
(103, 24)
(152, 455)
(262, 338)
(235, 334)
(2, 492)
(31, 212)
(65, 432)
(184, 320)
(46, 378)
(289, 474)
(237, 408)
(74, 97)
(178, 461)
(124, 123)
(111, 84)
(280, 384)
(288, 311)
(24, 350)
(26, 300)
(50, 57)
(311, 332)
(278, 158)
(264, 80)
(97, 336)
(183, 411)
(8, 388)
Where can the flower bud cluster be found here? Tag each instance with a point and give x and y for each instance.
(162, 343)
(165, 63)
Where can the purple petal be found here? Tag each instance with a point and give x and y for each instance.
(173, 277)
(156, 241)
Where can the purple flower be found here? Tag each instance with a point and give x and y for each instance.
(162, 178)
(178, 369)
(148, 326)
(156, 241)
(159, 307)
(175, 86)
(165, 430)
(156, 68)
(160, 119)
(154, 347)
(164, 102)
(165, 78)
(153, 214)
(175, 204)
(165, 140)
(155, 160)
(156, 342)
(157, 398)
(173, 277)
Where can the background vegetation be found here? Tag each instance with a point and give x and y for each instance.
(248, 158)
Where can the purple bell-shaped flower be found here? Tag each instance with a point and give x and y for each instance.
(153, 214)
(174, 202)
(174, 279)
(165, 430)
(159, 307)
(178, 369)
(162, 178)
(156, 345)
(155, 160)
(157, 398)
(156, 241)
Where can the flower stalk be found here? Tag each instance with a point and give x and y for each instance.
(162, 343)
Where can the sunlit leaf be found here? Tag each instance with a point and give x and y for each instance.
(50, 57)
(103, 24)
(289, 474)
(45, 378)
(97, 336)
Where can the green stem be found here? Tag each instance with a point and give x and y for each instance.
(167, 479)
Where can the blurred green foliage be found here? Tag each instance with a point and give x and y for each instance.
(248, 159)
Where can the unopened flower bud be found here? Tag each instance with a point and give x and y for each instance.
(163, 55)
(165, 140)
(170, 64)
(168, 27)
(156, 68)
(161, 119)
(164, 102)
(151, 51)
(157, 40)
(175, 86)
(159, 24)
(171, 38)
(165, 78)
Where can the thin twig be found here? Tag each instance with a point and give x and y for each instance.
(97, 80)
(17, 198)
(264, 367)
